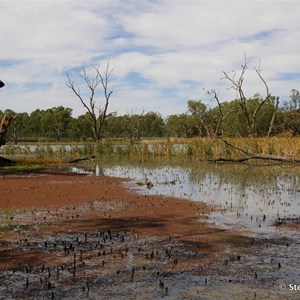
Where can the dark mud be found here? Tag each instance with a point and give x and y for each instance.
(84, 237)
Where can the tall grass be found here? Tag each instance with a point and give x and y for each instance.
(199, 148)
(203, 148)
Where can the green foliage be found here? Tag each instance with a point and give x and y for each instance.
(182, 125)
(226, 119)
(23, 168)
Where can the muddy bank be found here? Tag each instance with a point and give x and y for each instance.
(66, 237)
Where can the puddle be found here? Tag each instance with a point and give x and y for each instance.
(81, 171)
(246, 199)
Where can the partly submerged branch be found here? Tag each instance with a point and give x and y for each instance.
(250, 156)
(257, 156)
(236, 148)
(76, 160)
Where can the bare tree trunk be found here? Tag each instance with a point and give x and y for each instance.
(104, 82)
(259, 106)
(96, 113)
(222, 116)
(237, 84)
(273, 117)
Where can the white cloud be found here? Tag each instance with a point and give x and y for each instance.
(178, 47)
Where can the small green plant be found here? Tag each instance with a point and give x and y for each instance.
(189, 151)
(12, 226)
(23, 168)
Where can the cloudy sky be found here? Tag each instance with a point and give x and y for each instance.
(163, 52)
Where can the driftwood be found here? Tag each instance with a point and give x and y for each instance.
(250, 156)
(76, 160)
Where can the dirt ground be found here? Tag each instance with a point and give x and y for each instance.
(94, 237)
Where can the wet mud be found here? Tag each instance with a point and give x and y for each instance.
(88, 237)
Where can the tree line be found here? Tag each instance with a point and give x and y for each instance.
(224, 119)
(259, 115)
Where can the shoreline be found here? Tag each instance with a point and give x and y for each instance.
(81, 236)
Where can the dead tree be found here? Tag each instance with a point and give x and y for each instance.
(222, 116)
(237, 84)
(271, 126)
(97, 111)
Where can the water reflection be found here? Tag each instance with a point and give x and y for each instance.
(246, 197)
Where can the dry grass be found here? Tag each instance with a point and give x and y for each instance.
(212, 148)
(202, 148)
(39, 160)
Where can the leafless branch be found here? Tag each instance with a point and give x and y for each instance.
(98, 117)
(250, 156)
(237, 84)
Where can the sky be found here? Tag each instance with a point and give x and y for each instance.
(162, 53)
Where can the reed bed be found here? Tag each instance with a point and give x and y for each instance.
(214, 148)
(200, 148)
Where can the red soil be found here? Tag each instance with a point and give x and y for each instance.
(61, 205)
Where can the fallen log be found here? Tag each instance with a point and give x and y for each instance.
(250, 156)
(261, 157)
(76, 160)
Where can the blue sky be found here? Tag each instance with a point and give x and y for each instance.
(164, 53)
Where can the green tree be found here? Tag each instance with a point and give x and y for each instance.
(114, 126)
(19, 126)
(234, 124)
(55, 121)
(46, 123)
(290, 114)
(152, 125)
(61, 119)
(294, 102)
(79, 128)
(130, 127)
(198, 112)
(34, 123)
(181, 125)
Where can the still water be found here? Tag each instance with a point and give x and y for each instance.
(245, 197)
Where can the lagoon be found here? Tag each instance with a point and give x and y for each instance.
(243, 197)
